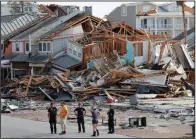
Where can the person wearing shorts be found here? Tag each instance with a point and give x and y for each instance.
(63, 117)
(95, 115)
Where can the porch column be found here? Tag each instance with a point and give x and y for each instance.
(31, 70)
(174, 26)
(188, 23)
(156, 25)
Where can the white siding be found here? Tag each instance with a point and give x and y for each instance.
(59, 44)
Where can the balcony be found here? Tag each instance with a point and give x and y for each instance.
(147, 26)
(179, 26)
(164, 26)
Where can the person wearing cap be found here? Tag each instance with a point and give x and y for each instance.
(95, 114)
(52, 116)
(80, 112)
(63, 117)
(111, 120)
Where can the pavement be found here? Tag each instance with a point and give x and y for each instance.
(12, 127)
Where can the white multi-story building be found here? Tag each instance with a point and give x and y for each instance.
(28, 7)
(154, 18)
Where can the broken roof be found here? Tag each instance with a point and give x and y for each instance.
(65, 61)
(16, 24)
(74, 21)
(184, 56)
(60, 26)
(181, 36)
(8, 18)
(25, 34)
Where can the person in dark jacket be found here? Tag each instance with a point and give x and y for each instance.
(80, 113)
(95, 114)
(52, 116)
(111, 120)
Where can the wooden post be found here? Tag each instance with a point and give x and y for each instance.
(185, 32)
(29, 83)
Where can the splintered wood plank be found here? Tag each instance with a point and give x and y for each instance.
(29, 83)
(108, 94)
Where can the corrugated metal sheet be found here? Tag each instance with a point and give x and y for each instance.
(183, 56)
(13, 25)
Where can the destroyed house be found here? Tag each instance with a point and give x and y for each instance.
(186, 53)
(38, 51)
(85, 37)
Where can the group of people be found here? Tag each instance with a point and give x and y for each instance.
(80, 112)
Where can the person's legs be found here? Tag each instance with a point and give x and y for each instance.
(51, 126)
(55, 130)
(109, 127)
(97, 129)
(112, 126)
(94, 129)
(79, 125)
(62, 127)
(83, 127)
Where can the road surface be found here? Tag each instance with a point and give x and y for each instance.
(22, 128)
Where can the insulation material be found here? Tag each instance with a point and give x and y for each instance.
(130, 53)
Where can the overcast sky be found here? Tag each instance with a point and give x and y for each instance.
(99, 8)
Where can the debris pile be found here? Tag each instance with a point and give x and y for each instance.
(105, 76)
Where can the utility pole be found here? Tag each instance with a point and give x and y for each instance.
(22, 6)
(182, 4)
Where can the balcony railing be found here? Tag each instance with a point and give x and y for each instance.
(147, 26)
(179, 26)
(162, 26)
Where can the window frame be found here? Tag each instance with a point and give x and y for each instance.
(26, 47)
(17, 46)
(45, 48)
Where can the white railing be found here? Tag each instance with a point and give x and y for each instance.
(147, 26)
(179, 26)
(161, 26)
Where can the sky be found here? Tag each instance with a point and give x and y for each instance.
(100, 9)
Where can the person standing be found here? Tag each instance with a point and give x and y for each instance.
(63, 117)
(111, 120)
(80, 112)
(52, 116)
(95, 114)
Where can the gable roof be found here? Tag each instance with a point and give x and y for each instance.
(60, 26)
